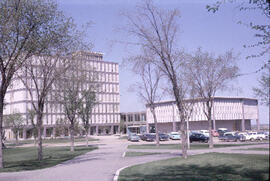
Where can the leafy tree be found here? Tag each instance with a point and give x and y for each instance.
(29, 29)
(263, 90)
(263, 35)
(15, 121)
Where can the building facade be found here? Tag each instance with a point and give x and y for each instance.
(231, 113)
(106, 114)
(134, 122)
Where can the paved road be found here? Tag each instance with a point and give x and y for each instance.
(100, 164)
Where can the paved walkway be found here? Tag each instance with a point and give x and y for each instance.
(101, 164)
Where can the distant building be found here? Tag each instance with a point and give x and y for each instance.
(134, 122)
(231, 113)
(106, 115)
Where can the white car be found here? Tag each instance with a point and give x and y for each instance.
(205, 132)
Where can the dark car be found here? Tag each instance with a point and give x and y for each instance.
(198, 137)
(163, 137)
(230, 136)
(148, 137)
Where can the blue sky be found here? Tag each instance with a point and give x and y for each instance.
(215, 33)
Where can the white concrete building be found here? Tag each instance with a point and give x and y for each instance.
(106, 115)
(230, 113)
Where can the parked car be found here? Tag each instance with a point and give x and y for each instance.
(133, 137)
(163, 137)
(252, 136)
(198, 137)
(232, 136)
(205, 132)
(174, 136)
(215, 133)
(221, 131)
(148, 137)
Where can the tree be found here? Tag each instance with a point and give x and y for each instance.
(262, 33)
(263, 90)
(156, 31)
(148, 87)
(68, 94)
(31, 116)
(208, 74)
(89, 101)
(15, 121)
(27, 28)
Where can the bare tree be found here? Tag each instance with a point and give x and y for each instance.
(148, 87)
(68, 94)
(15, 122)
(31, 114)
(89, 101)
(208, 74)
(156, 30)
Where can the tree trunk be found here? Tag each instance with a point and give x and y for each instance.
(40, 154)
(156, 125)
(16, 138)
(39, 124)
(1, 128)
(183, 139)
(86, 136)
(72, 136)
(209, 108)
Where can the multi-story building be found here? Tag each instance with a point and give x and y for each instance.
(106, 114)
(230, 113)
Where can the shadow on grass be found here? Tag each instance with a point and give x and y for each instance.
(203, 173)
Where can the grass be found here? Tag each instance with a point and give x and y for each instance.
(48, 141)
(134, 154)
(255, 149)
(178, 146)
(18, 159)
(205, 167)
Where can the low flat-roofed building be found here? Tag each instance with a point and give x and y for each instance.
(134, 122)
(227, 112)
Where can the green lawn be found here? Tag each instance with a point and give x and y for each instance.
(205, 167)
(134, 154)
(255, 149)
(57, 140)
(178, 146)
(17, 159)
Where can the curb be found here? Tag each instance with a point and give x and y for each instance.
(115, 178)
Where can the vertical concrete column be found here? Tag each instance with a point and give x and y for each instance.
(89, 130)
(126, 128)
(214, 117)
(96, 129)
(258, 124)
(174, 126)
(54, 132)
(243, 117)
(24, 133)
(44, 132)
(118, 129)
(111, 132)
(258, 120)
